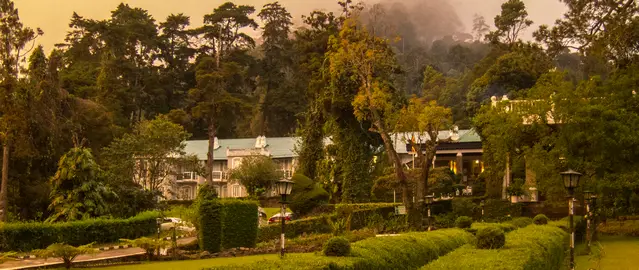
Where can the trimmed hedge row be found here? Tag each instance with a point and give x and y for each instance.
(407, 251)
(506, 227)
(227, 224)
(532, 248)
(210, 227)
(36, 235)
(239, 225)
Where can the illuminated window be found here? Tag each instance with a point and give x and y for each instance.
(453, 166)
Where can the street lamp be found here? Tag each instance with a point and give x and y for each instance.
(571, 181)
(284, 187)
(481, 204)
(429, 201)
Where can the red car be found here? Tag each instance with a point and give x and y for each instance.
(276, 218)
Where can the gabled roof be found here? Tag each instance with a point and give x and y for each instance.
(284, 147)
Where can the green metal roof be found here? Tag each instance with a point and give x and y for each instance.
(284, 147)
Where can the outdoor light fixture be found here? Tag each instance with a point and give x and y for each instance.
(429, 201)
(284, 188)
(590, 198)
(571, 181)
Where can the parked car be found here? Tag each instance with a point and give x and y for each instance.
(261, 213)
(276, 218)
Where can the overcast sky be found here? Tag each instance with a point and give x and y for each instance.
(53, 16)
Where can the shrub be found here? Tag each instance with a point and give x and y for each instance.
(210, 225)
(445, 220)
(306, 195)
(540, 219)
(239, 223)
(464, 207)
(463, 222)
(629, 228)
(500, 210)
(28, 236)
(65, 252)
(521, 222)
(531, 248)
(490, 238)
(295, 228)
(506, 227)
(408, 251)
(337, 247)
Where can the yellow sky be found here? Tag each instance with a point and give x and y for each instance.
(53, 15)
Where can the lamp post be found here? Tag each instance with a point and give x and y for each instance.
(589, 197)
(481, 204)
(284, 187)
(429, 201)
(571, 181)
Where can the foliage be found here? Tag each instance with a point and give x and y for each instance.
(521, 222)
(516, 188)
(256, 173)
(36, 235)
(150, 154)
(239, 223)
(306, 195)
(150, 245)
(340, 225)
(533, 247)
(540, 219)
(210, 221)
(464, 207)
(500, 210)
(337, 247)
(490, 238)
(77, 190)
(65, 252)
(506, 227)
(512, 21)
(463, 222)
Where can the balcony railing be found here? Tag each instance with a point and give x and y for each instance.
(186, 176)
(220, 176)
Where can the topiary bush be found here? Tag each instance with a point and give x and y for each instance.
(337, 247)
(306, 195)
(521, 222)
(210, 225)
(464, 207)
(239, 223)
(463, 222)
(541, 219)
(490, 238)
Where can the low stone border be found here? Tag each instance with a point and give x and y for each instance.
(104, 248)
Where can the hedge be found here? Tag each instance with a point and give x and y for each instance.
(627, 228)
(28, 236)
(210, 225)
(500, 210)
(319, 224)
(506, 227)
(239, 223)
(531, 248)
(407, 251)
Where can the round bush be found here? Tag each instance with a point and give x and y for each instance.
(337, 247)
(521, 222)
(490, 238)
(540, 219)
(463, 222)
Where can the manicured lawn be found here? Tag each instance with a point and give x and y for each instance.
(619, 253)
(194, 264)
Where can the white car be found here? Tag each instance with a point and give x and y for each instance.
(170, 222)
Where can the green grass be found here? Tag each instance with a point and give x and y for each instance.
(272, 211)
(619, 253)
(194, 264)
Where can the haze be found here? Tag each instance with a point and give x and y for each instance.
(53, 16)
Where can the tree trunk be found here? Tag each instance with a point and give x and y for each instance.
(5, 180)
(394, 158)
(209, 161)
